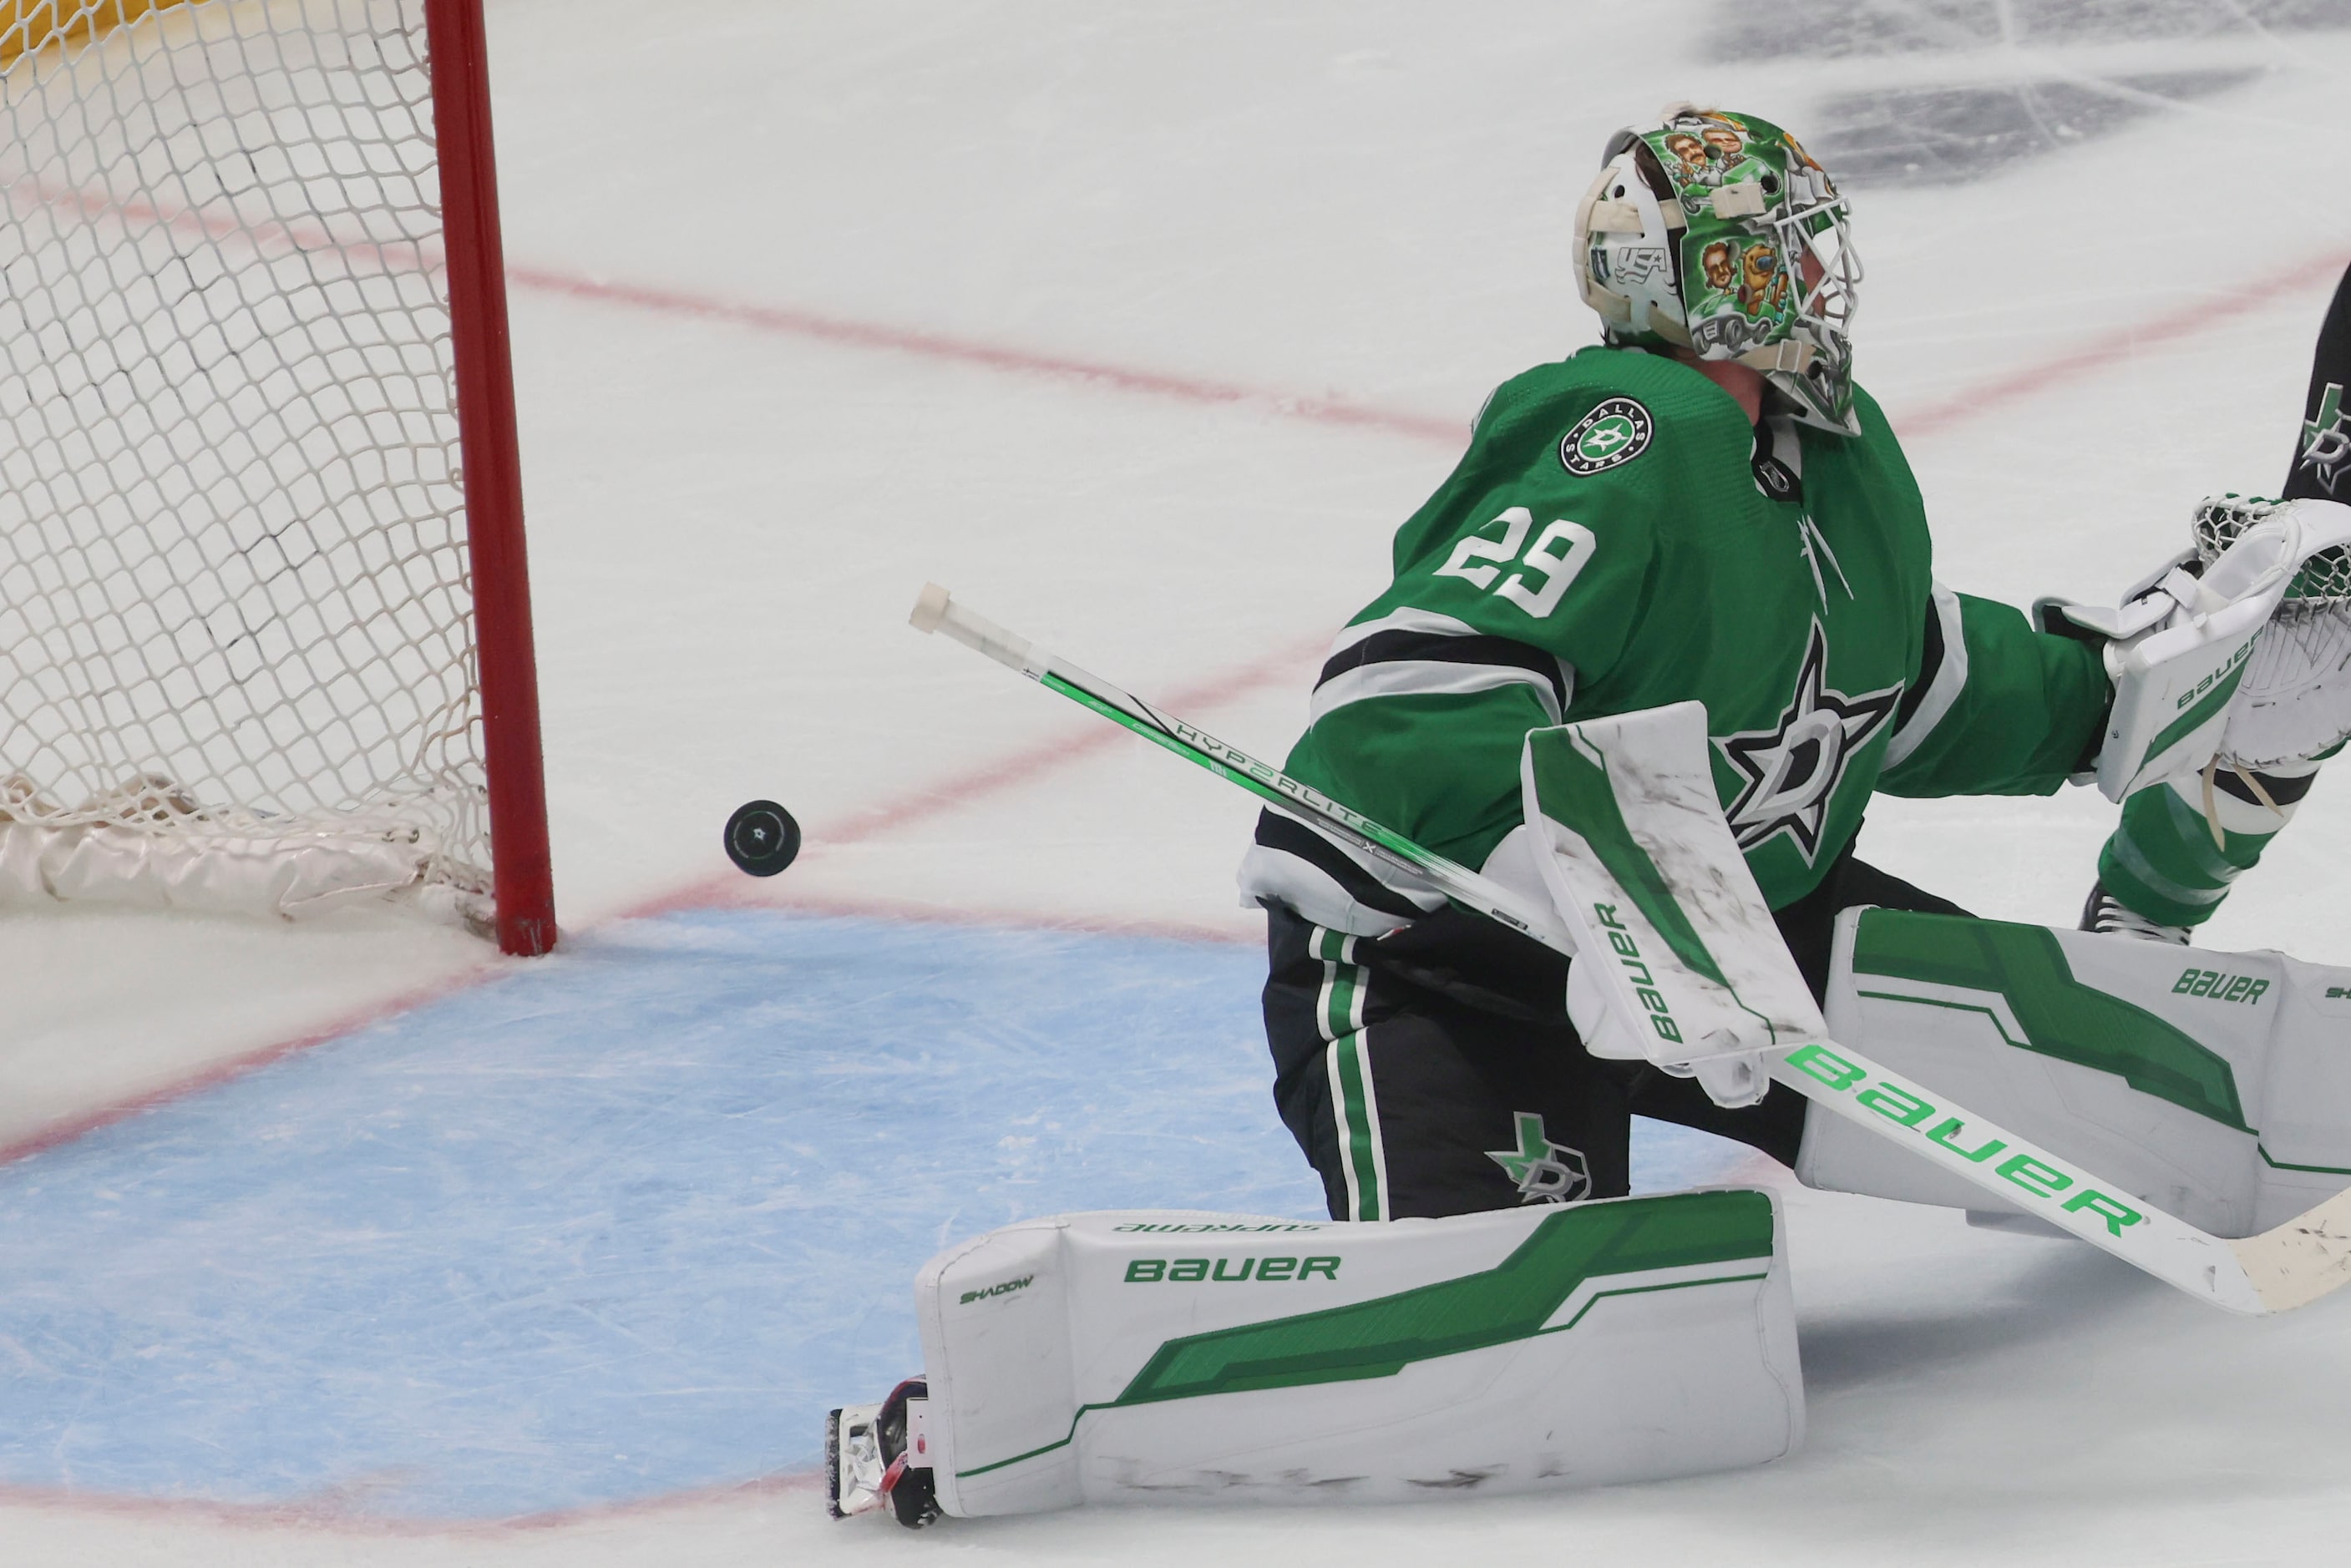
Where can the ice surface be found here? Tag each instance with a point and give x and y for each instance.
(799, 294)
(626, 1222)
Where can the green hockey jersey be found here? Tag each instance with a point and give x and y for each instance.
(1619, 537)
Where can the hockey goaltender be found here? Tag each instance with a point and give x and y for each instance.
(1674, 613)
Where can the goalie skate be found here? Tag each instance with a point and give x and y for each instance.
(876, 1454)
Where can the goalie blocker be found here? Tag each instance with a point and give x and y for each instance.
(1157, 1356)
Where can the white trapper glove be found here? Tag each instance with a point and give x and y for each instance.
(2294, 704)
(2178, 646)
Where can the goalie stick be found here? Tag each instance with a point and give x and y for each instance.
(2289, 1266)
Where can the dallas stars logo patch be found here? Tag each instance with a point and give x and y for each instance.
(1611, 435)
(1792, 770)
(1546, 1172)
(2326, 440)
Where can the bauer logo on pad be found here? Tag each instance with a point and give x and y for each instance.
(1613, 433)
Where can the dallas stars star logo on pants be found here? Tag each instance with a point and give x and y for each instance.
(1546, 1172)
(1793, 769)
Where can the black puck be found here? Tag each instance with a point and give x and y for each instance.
(762, 838)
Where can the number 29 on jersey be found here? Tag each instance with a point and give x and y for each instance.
(1558, 553)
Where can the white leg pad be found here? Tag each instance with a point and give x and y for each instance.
(1173, 1357)
(2211, 1085)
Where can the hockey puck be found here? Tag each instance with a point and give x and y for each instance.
(762, 838)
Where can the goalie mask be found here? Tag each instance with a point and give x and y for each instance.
(1717, 233)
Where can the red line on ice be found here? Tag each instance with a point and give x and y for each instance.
(994, 919)
(2123, 343)
(933, 344)
(2069, 365)
(219, 220)
(337, 1515)
(221, 1071)
(995, 778)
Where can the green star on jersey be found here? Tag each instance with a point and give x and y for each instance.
(1546, 1172)
(1789, 772)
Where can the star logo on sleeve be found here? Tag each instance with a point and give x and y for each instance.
(2326, 440)
(1546, 1172)
(1791, 771)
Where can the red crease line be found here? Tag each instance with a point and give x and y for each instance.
(910, 912)
(336, 1515)
(236, 1066)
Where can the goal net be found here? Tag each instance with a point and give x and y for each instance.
(241, 662)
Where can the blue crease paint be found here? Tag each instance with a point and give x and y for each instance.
(623, 1223)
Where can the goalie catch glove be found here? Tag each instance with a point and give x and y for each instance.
(2195, 678)
(2168, 862)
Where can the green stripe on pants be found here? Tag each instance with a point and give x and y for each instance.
(1356, 1108)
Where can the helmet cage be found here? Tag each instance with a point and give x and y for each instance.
(1815, 245)
(1718, 234)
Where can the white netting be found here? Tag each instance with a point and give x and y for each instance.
(2294, 700)
(234, 601)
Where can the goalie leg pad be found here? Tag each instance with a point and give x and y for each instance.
(2209, 1085)
(1171, 1356)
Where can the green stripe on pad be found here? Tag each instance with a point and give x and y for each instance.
(1510, 1301)
(2060, 1016)
(2276, 1164)
(2204, 712)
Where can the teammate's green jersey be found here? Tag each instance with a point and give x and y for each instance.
(1619, 536)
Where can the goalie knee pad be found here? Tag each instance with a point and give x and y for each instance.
(2211, 1086)
(1158, 1356)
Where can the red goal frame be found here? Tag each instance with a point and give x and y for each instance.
(521, 866)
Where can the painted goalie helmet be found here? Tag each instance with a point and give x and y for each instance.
(1717, 233)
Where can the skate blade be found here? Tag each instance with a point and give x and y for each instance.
(853, 1467)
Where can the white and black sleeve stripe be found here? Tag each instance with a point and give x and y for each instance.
(1317, 876)
(1417, 653)
(1405, 653)
(1942, 676)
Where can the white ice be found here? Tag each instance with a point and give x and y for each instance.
(1359, 202)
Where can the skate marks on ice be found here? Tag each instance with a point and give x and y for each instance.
(1836, 29)
(1942, 136)
(1979, 89)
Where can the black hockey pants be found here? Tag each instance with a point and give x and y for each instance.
(1434, 1071)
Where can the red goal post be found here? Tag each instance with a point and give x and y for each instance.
(265, 615)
